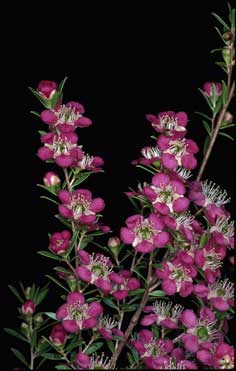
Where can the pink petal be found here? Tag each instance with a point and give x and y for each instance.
(70, 326)
(144, 247)
(126, 235)
(161, 208)
(189, 162)
(168, 161)
(186, 289)
(169, 287)
(64, 197)
(45, 153)
(161, 239)
(160, 180)
(133, 284)
(178, 187)
(48, 117)
(83, 122)
(64, 160)
(84, 274)
(157, 221)
(182, 118)
(189, 318)
(190, 342)
(62, 311)
(204, 357)
(95, 309)
(75, 297)
(97, 205)
(220, 304)
(89, 323)
(148, 320)
(181, 204)
(83, 360)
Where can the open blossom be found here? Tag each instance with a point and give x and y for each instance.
(107, 328)
(223, 357)
(208, 88)
(61, 148)
(123, 282)
(58, 335)
(66, 118)
(150, 156)
(177, 277)
(144, 234)
(153, 351)
(185, 223)
(221, 294)
(93, 362)
(223, 232)
(207, 193)
(177, 152)
(76, 314)
(47, 88)
(170, 123)
(210, 261)
(200, 332)
(59, 242)
(80, 206)
(85, 161)
(95, 269)
(162, 313)
(166, 194)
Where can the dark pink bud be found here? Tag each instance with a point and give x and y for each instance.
(28, 307)
(47, 88)
(51, 179)
(58, 335)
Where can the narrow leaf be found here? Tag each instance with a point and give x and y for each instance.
(206, 144)
(109, 302)
(72, 244)
(49, 255)
(20, 356)
(52, 356)
(207, 127)
(157, 293)
(220, 20)
(81, 178)
(226, 135)
(15, 333)
(94, 347)
(35, 113)
(41, 296)
(51, 315)
(15, 292)
(50, 199)
(57, 283)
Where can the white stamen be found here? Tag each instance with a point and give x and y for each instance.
(213, 194)
(100, 362)
(151, 152)
(183, 173)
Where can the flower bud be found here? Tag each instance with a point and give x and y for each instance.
(208, 88)
(25, 328)
(47, 88)
(228, 117)
(28, 307)
(226, 53)
(58, 335)
(114, 244)
(113, 241)
(38, 318)
(227, 36)
(51, 179)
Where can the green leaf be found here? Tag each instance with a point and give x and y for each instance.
(63, 270)
(57, 283)
(61, 85)
(35, 113)
(206, 99)
(129, 307)
(226, 135)
(49, 255)
(63, 221)
(222, 65)
(39, 97)
(206, 144)
(109, 302)
(203, 240)
(50, 199)
(81, 178)
(41, 296)
(51, 315)
(216, 50)
(221, 21)
(155, 330)
(93, 348)
(15, 333)
(72, 244)
(219, 33)
(224, 92)
(52, 356)
(157, 293)
(51, 190)
(146, 169)
(203, 115)
(111, 346)
(136, 292)
(62, 367)
(74, 344)
(15, 292)
(207, 127)
(32, 291)
(20, 356)
(218, 106)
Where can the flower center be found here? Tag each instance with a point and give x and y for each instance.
(177, 147)
(98, 270)
(80, 206)
(67, 114)
(226, 362)
(202, 333)
(166, 195)
(77, 312)
(168, 123)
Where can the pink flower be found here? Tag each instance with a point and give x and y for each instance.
(163, 314)
(221, 294)
(47, 88)
(51, 179)
(153, 351)
(106, 328)
(76, 314)
(223, 232)
(207, 193)
(59, 242)
(113, 241)
(167, 195)
(66, 118)
(208, 88)
(184, 223)
(87, 162)
(223, 357)
(61, 148)
(28, 308)
(80, 206)
(200, 332)
(95, 269)
(144, 234)
(177, 277)
(92, 363)
(58, 335)
(150, 156)
(170, 123)
(177, 152)
(123, 283)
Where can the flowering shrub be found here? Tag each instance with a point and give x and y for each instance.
(156, 294)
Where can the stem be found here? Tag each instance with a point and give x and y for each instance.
(67, 360)
(215, 133)
(135, 317)
(90, 342)
(32, 355)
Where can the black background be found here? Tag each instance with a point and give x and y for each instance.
(121, 63)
